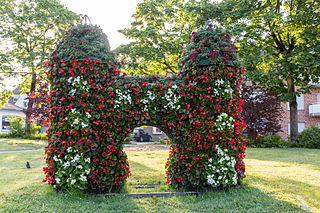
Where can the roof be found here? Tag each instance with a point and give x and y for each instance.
(16, 91)
(10, 106)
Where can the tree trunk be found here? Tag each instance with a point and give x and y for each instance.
(30, 103)
(293, 112)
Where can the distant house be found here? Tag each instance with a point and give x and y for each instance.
(14, 107)
(308, 112)
(19, 99)
(7, 110)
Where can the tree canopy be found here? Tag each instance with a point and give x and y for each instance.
(30, 29)
(160, 31)
(278, 44)
(278, 40)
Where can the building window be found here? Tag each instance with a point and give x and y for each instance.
(5, 122)
(301, 127)
(300, 102)
(156, 131)
(318, 98)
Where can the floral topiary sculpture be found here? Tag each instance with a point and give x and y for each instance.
(93, 109)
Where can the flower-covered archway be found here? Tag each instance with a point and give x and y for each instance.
(93, 108)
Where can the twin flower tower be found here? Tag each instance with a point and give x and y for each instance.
(94, 108)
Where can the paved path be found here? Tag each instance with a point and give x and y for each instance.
(129, 145)
(24, 150)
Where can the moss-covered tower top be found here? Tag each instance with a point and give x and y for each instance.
(83, 41)
(210, 46)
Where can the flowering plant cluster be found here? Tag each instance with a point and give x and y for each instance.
(93, 108)
(221, 169)
(72, 170)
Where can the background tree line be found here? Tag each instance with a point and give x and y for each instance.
(278, 40)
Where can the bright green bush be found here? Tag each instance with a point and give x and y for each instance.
(269, 141)
(309, 138)
(16, 127)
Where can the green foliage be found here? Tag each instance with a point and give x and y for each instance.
(210, 46)
(25, 136)
(278, 44)
(162, 141)
(16, 127)
(269, 141)
(31, 28)
(4, 95)
(83, 41)
(309, 138)
(129, 138)
(277, 40)
(160, 31)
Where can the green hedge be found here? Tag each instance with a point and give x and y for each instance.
(309, 138)
(269, 141)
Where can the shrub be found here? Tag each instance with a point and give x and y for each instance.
(309, 138)
(129, 138)
(162, 141)
(261, 111)
(268, 141)
(16, 127)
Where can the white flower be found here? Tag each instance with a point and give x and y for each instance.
(76, 158)
(66, 164)
(88, 115)
(73, 181)
(83, 178)
(76, 121)
(57, 180)
(87, 160)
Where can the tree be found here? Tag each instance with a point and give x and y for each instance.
(261, 111)
(278, 43)
(39, 111)
(160, 31)
(31, 28)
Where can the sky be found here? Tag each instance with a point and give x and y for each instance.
(110, 15)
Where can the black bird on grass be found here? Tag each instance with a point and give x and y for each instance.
(28, 165)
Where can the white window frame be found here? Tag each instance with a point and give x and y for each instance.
(318, 98)
(301, 127)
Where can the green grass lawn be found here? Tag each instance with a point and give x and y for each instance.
(278, 180)
(8, 144)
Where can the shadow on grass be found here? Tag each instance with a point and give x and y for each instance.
(7, 144)
(287, 155)
(304, 193)
(243, 199)
(144, 175)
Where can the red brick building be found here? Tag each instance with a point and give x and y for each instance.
(308, 112)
